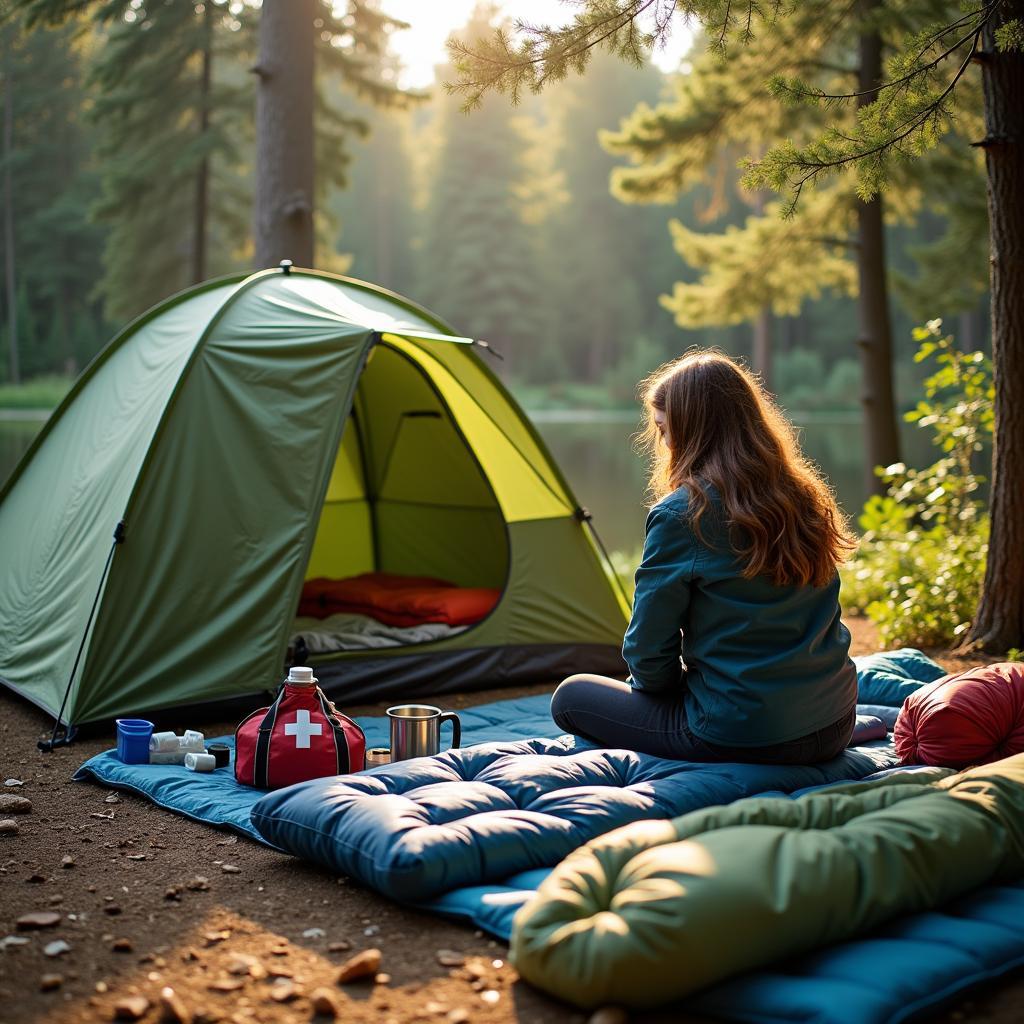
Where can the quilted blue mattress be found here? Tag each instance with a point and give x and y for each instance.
(419, 828)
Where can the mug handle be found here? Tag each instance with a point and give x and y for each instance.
(450, 716)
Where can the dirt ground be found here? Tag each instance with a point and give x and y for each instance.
(149, 901)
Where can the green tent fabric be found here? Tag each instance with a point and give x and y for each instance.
(657, 910)
(252, 433)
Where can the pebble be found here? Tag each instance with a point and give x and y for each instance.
(122, 946)
(434, 1007)
(226, 984)
(101, 987)
(324, 1002)
(8, 827)
(137, 856)
(131, 1008)
(173, 1007)
(13, 782)
(174, 893)
(212, 938)
(38, 919)
(341, 946)
(231, 869)
(382, 979)
(67, 861)
(56, 947)
(362, 965)
(449, 958)
(458, 1016)
(13, 940)
(243, 964)
(280, 972)
(314, 933)
(12, 804)
(198, 884)
(609, 1015)
(489, 996)
(49, 982)
(112, 799)
(283, 991)
(475, 971)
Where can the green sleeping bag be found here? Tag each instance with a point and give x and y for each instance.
(656, 910)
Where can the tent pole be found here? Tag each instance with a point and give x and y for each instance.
(47, 746)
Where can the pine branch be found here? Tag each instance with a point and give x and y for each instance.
(509, 62)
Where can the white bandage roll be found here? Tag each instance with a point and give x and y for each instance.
(193, 740)
(163, 741)
(200, 762)
(167, 757)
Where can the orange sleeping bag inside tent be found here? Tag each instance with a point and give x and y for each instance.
(398, 600)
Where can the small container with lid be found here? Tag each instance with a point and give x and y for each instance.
(301, 675)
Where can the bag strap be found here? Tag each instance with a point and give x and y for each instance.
(344, 758)
(261, 759)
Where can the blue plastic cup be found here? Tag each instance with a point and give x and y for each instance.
(133, 740)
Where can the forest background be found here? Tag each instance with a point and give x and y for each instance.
(521, 225)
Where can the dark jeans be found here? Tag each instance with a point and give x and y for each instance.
(613, 714)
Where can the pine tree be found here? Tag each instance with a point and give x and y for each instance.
(49, 244)
(721, 112)
(169, 114)
(479, 259)
(609, 262)
(302, 41)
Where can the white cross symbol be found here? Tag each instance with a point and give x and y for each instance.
(302, 728)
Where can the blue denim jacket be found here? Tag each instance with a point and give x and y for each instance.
(763, 663)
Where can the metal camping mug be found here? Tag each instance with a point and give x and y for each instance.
(416, 730)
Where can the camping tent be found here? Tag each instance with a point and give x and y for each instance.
(250, 434)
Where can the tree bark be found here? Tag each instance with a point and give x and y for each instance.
(881, 430)
(10, 280)
(761, 342)
(999, 623)
(284, 134)
(761, 356)
(202, 200)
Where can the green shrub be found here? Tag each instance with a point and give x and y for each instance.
(921, 561)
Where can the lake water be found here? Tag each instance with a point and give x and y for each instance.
(596, 454)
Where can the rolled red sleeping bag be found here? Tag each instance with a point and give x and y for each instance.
(970, 718)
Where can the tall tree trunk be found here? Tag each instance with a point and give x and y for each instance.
(761, 348)
(999, 623)
(202, 201)
(10, 283)
(968, 335)
(881, 430)
(761, 356)
(284, 133)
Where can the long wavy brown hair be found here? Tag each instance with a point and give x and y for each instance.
(724, 430)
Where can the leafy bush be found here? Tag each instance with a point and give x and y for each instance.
(919, 569)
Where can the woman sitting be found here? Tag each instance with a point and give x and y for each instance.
(740, 558)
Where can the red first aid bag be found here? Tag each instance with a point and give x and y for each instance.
(301, 736)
